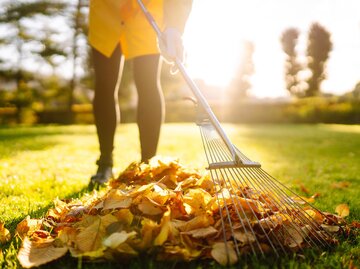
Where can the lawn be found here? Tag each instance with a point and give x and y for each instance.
(38, 164)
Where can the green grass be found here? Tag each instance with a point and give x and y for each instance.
(38, 164)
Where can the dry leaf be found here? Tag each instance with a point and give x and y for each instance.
(115, 239)
(133, 215)
(33, 254)
(245, 237)
(340, 185)
(202, 232)
(116, 200)
(293, 238)
(201, 221)
(355, 224)
(224, 253)
(149, 208)
(342, 210)
(5, 235)
(304, 189)
(165, 229)
(90, 238)
(330, 228)
(28, 226)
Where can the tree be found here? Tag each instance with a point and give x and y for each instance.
(15, 17)
(289, 40)
(79, 25)
(241, 83)
(318, 50)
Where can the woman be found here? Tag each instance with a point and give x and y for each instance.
(118, 31)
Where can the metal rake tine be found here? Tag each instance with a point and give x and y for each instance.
(303, 220)
(281, 205)
(213, 143)
(218, 200)
(308, 204)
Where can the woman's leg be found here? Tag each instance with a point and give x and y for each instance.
(106, 108)
(150, 111)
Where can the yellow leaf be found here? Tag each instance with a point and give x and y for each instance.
(124, 216)
(115, 239)
(149, 208)
(117, 200)
(126, 248)
(198, 222)
(5, 235)
(90, 238)
(27, 226)
(224, 253)
(165, 229)
(33, 254)
(342, 210)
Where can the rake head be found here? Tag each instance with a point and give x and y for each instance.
(257, 213)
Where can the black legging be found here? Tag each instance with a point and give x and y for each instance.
(106, 108)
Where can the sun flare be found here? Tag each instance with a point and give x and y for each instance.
(213, 47)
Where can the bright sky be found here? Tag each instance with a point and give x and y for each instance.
(216, 27)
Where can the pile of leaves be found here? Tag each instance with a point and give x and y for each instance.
(163, 209)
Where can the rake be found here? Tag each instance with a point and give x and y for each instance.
(257, 213)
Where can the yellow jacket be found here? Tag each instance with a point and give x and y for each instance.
(113, 22)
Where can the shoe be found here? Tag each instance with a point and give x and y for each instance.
(102, 176)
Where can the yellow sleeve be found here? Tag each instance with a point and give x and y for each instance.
(176, 13)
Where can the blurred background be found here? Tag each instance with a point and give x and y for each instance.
(260, 61)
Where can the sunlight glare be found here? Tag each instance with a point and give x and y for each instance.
(213, 41)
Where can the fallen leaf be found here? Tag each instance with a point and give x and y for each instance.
(224, 253)
(355, 224)
(202, 232)
(27, 226)
(90, 238)
(165, 229)
(201, 221)
(330, 228)
(340, 185)
(342, 210)
(115, 239)
(304, 189)
(245, 237)
(293, 237)
(5, 235)
(33, 254)
(149, 208)
(116, 200)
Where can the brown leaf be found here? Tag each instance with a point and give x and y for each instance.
(202, 232)
(355, 224)
(34, 254)
(340, 185)
(293, 237)
(342, 210)
(5, 235)
(245, 237)
(27, 226)
(304, 189)
(224, 253)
